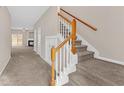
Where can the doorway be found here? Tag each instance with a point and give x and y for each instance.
(17, 39)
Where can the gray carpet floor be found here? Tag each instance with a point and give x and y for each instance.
(25, 68)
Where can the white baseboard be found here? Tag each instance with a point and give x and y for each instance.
(110, 60)
(4, 64)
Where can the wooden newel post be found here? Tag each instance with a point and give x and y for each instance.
(73, 36)
(53, 66)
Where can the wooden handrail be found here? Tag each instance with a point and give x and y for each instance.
(63, 43)
(82, 21)
(64, 18)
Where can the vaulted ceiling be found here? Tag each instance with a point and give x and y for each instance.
(25, 16)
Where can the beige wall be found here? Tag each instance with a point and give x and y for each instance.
(5, 38)
(108, 40)
(47, 25)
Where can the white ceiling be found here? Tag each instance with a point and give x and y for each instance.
(25, 16)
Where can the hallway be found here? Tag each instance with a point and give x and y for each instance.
(25, 68)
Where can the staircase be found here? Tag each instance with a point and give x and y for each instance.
(72, 62)
(70, 47)
(94, 72)
(83, 53)
(86, 73)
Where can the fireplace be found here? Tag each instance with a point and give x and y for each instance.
(30, 43)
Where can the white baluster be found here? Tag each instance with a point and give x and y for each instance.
(63, 58)
(59, 25)
(62, 27)
(60, 61)
(67, 54)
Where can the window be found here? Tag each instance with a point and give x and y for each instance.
(17, 39)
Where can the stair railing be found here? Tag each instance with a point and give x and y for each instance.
(59, 55)
(82, 21)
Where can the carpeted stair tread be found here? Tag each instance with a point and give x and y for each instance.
(84, 53)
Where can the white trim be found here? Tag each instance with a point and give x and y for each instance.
(21, 28)
(4, 65)
(110, 60)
